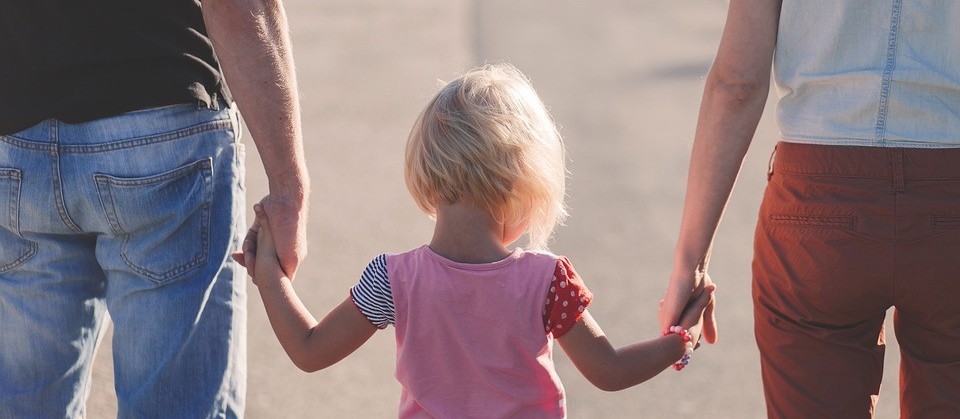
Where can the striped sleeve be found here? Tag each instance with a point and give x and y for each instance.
(372, 294)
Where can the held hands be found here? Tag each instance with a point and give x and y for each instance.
(693, 317)
(259, 251)
(683, 293)
(288, 220)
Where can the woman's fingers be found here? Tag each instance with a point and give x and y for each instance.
(710, 321)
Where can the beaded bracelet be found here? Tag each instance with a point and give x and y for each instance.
(687, 345)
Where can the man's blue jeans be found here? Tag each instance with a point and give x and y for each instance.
(135, 215)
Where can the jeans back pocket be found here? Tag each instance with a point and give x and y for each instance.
(14, 249)
(163, 220)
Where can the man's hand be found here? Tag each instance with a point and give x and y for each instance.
(288, 222)
(681, 292)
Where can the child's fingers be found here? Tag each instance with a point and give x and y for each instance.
(251, 259)
(238, 256)
(694, 311)
(265, 230)
(265, 243)
(703, 300)
(249, 247)
(699, 300)
(262, 220)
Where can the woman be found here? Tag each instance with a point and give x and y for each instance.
(862, 211)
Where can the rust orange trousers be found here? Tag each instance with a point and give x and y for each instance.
(845, 233)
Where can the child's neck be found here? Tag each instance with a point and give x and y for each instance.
(467, 234)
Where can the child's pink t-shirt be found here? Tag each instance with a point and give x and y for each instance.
(475, 340)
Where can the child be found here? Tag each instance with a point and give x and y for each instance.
(474, 320)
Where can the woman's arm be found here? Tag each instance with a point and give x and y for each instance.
(733, 100)
(614, 369)
(311, 345)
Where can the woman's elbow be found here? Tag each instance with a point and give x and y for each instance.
(738, 87)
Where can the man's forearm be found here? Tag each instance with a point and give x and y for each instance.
(252, 43)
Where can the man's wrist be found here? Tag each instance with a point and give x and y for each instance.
(293, 190)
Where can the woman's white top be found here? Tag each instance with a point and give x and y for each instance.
(883, 73)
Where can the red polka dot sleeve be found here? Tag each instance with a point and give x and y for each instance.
(567, 299)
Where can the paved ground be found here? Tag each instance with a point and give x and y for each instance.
(622, 78)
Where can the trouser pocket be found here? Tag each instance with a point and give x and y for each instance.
(14, 249)
(162, 220)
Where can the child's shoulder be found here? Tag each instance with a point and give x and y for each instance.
(545, 258)
(545, 255)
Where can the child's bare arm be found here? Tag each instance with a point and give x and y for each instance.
(311, 345)
(613, 369)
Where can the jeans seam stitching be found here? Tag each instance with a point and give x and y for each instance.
(889, 66)
(120, 144)
(28, 145)
(23, 258)
(103, 189)
(13, 213)
(201, 166)
(13, 201)
(148, 140)
(57, 182)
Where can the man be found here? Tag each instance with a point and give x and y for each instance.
(121, 191)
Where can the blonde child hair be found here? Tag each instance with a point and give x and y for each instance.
(487, 139)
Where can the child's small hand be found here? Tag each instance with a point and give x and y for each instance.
(247, 255)
(692, 316)
(266, 263)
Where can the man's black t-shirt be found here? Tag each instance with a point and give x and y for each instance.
(79, 60)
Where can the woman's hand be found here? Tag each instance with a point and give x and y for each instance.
(682, 291)
(699, 313)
